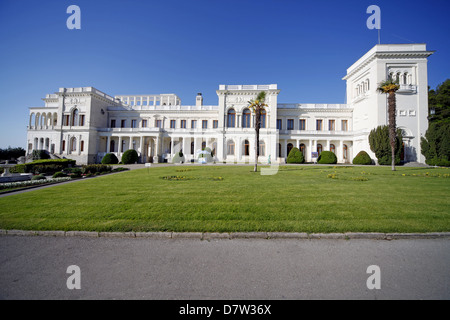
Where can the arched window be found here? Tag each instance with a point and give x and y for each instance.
(345, 152)
(55, 118)
(263, 119)
(246, 116)
(319, 149)
(303, 149)
(75, 117)
(32, 120)
(231, 118)
(246, 148)
(333, 148)
(405, 78)
(289, 148)
(230, 148)
(38, 115)
(262, 148)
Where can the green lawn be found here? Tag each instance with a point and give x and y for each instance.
(233, 198)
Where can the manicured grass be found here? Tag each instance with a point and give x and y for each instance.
(233, 198)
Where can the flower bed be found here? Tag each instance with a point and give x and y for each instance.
(23, 184)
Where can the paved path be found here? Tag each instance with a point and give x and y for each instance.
(132, 268)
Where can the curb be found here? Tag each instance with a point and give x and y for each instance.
(229, 236)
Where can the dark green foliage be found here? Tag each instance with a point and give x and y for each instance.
(379, 144)
(327, 157)
(439, 101)
(40, 154)
(130, 156)
(436, 144)
(120, 169)
(46, 168)
(11, 153)
(295, 156)
(362, 158)
(59, 174)
(39, 177)
(94, 168)
(110, 158)
(43, 166)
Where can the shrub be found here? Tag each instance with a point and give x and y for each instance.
(379, 144)
(94, 168)
(295, 156)
(48, 169)
(436, 145)
(327, 157)
(39, 177)
(362, 158)
(120, 169)
(130, 156)
(59, 174)
(110, 158)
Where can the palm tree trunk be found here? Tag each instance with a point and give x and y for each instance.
(257, 125)
(392, 125)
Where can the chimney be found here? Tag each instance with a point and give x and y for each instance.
(199, 100)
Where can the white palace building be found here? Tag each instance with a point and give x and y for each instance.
(84, 123)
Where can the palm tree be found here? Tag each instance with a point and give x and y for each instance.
(389, 87)
(257, 106)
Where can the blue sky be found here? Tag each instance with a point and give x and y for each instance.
(190, 46)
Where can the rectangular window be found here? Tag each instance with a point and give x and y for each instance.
(133, 123)
(138, 102)
(204, 124)
(302, 124)
(194, 124)
(172, 124)
(144, 123)
(159, 123)
(82, 120)
(319, 125)
(82, 146)
(66, 120)
(279, 126)
(344, 125)
(113, 123)
(144, 102)
(123, 123)
(215, 124)
(64, 145)
(331, 125)
(183, 124)
(290, 124)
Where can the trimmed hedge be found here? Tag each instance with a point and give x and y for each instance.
(295, 156)
(110, 158)
(362, 158)
(94, 168)
(43, 166)
(327, 157)
(130, 156)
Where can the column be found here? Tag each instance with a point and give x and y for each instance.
(238, 149)
(172, 152)
(141, 148)
(328, 145)
(341, 151)
(308, 152)
(108, 144)
(157, 150)
(130, 146)
(119, 147)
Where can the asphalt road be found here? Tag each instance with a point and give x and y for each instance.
(241, 269)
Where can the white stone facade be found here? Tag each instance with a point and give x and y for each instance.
(84, 123)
